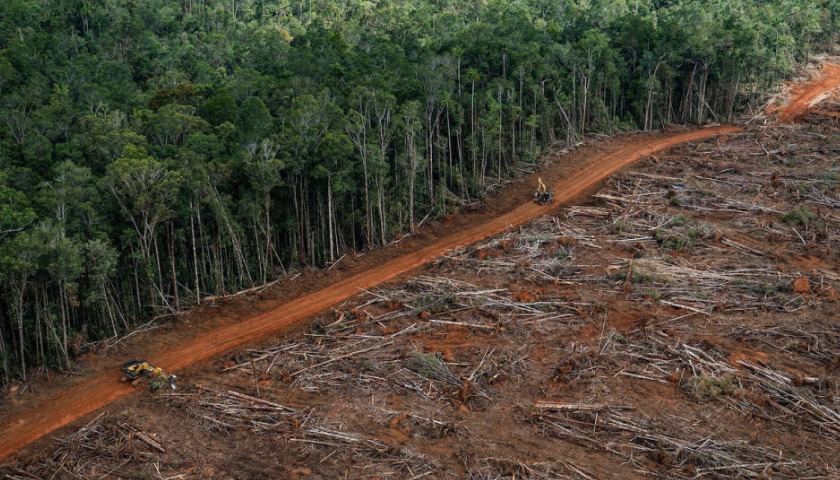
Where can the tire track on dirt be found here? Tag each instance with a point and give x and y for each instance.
(23, 428)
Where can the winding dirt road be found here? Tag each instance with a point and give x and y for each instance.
(809, 94)
(21, 428)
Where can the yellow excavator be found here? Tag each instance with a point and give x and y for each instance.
(543, 195)
(138, 371)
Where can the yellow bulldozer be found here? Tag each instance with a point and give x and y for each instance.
(139, 371)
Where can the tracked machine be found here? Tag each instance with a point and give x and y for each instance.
(140, 371)
(543, 195)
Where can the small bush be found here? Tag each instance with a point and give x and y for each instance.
(679, 201)
(429, 365)
(437, 303)
(708, 388)
(617, 337)
(158, 382)
(799, 216)
(620, 226)
(680, 220)
(681, 232)
(636, 275)
(674, 240)
(772, 289)
(654, 294)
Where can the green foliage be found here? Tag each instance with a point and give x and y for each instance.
(159, 382)
(15, 210)
(142, 185)
(709, 388)
(680, 233)
(679, 201)
(436, 303)
(429, 365)
(772, 289)
(654, 294)
(680, 220)
(617, 337)
(219, 108)
(799, 216)
(673, 241)
(638, 276)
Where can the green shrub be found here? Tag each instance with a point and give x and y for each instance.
(429, 365)
(680, 220)
(437, 303)
(714, 387)
(799, 216)
(636, 275)
(617, 337)
(654, 294)
(674, 240)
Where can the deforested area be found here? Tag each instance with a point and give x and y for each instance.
(680, 323)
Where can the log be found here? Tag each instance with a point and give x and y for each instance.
(578, 407)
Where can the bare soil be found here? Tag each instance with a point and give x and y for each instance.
(807, 95)
(679, 323)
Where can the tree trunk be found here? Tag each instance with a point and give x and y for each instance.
(195, 256)
(41, 312)
(108, 307)
(158, 283)
(174, 272)
(410, 145)
(18, 307)
(269, 248)
(238, 256)
(330, 219)
(649, 104)
(472, 128)
(383, 222)
(499, 153)
(138, 300)
(431, 121)
(63, 309)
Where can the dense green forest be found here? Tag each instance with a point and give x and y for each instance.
(156, 151)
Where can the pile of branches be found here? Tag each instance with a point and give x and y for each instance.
(373, 344)
(816, 341)
(657, 447)
(100, 449)
(231, 410)
(542, 251)
(809, 402)
(548, 251)
(502, 467)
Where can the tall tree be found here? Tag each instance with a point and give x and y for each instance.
(145, 190)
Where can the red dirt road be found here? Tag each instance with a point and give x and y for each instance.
(809, 94)
(25, 427)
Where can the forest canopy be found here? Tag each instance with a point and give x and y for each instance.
(153, 152)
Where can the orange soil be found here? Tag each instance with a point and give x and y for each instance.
(809, 94)
(25, 427)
